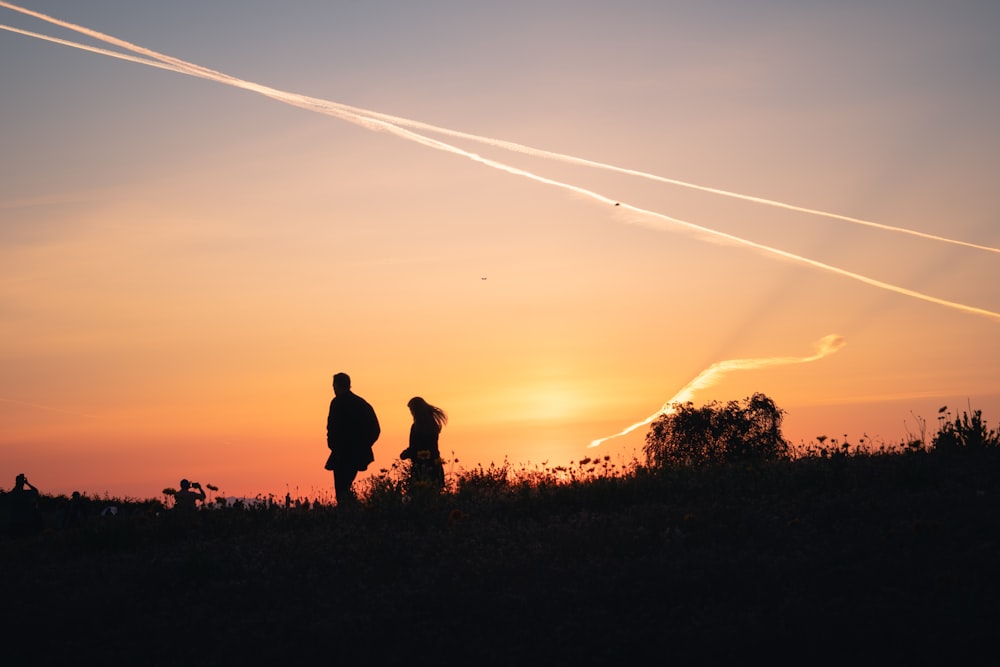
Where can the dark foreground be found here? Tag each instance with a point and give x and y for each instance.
(889, 558)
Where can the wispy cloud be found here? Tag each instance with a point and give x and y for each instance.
(708, 377)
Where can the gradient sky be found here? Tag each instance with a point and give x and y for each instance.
(184, 265)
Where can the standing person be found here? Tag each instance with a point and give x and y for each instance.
(426, 468)
(25, 515)
(185, 500)
(72, 511)
(351, 430)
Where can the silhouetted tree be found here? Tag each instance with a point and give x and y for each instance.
(717, 433)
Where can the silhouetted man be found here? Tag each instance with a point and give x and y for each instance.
(186, 499)
(25, 516)
(351, 430)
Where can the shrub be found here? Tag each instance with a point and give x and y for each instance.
(715, 433)
(965, 433)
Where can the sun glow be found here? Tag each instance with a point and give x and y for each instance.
(547, 401)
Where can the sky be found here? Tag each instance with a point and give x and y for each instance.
(185, 262)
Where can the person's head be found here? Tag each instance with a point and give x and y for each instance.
(417, 405)
(341, 383)
(20, 481)
(185, 485)
(425, 413)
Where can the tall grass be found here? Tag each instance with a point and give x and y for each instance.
(850, 548)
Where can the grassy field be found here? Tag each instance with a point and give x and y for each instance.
(888, 557)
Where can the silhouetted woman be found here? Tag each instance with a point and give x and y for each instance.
(426, 469)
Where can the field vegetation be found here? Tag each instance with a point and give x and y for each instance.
(815, 554)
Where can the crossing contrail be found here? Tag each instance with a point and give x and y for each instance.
(86, 47)
(708, 377)
(378, 122)
(190, 68)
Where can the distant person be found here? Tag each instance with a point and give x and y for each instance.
(76, 511)
(351, 430)
(186, 500)
(25, 514)
(426, 468)
(72, 511)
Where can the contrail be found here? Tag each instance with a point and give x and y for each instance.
(197, 70)
(648, 217)
(562, 157)
(819, 265)
(825, 347)
(93, 49)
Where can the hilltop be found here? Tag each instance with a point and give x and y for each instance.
(821, 559)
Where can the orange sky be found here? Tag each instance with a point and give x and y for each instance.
(184, 265)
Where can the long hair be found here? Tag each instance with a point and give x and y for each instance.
(426, 414)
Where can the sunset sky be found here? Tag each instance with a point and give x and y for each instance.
(184, 264)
